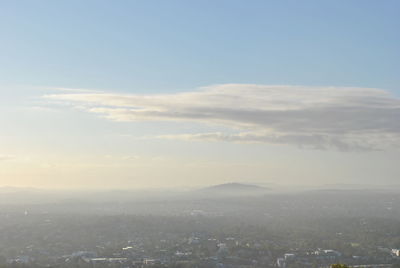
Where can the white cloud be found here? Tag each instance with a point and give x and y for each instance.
(6, 157)
(318, 117)
(74, 90)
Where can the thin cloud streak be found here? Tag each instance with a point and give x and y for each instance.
(344, 118)
(318, 142)
(6, 157)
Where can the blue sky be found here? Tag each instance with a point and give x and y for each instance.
(179, 45)
(313, 62)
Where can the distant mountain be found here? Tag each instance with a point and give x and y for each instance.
(234, 189)
(12, 189)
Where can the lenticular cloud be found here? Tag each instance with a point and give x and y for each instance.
(344, 118)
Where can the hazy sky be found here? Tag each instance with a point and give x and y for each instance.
(186, 93)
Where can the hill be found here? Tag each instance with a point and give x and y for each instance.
(234, 189)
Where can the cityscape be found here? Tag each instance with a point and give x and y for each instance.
(244, 228)
(199, 134)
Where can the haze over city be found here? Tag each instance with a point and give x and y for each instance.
(199, 134)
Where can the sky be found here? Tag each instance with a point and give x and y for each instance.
(164, 94)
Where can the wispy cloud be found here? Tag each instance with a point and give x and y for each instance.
(73, 90)
(318, 117)
(6, 157)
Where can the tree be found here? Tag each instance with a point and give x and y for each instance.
(339, 265)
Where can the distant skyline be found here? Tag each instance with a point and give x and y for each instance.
(160, 94)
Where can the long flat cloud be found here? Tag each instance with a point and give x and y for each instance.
(6, 157)
(318, 117)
